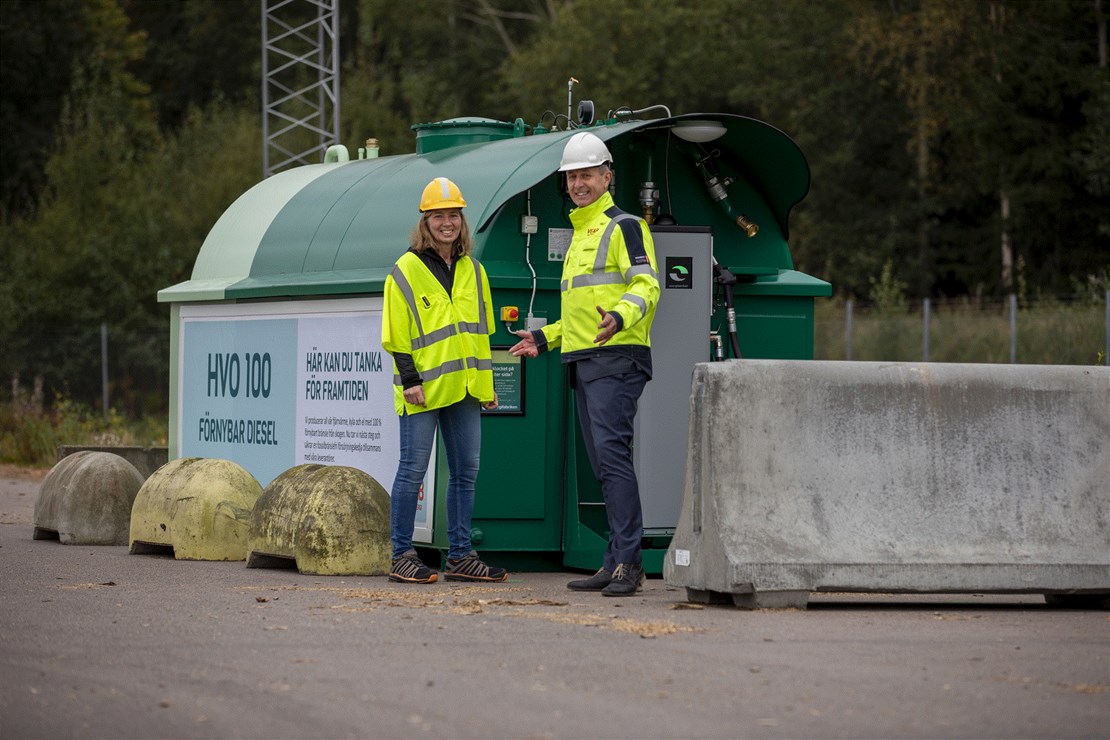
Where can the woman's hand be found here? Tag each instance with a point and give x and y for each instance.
(415, 396)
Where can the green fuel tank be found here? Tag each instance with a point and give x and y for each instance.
(274, 334)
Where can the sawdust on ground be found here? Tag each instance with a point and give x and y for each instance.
(504, 600)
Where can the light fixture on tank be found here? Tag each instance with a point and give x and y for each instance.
(698, 131)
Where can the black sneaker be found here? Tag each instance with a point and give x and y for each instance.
(628, 578)
(409, 568)
(596, 582)
(470, 568)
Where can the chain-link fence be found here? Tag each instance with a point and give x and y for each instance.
(101, 367)
(1058, 330)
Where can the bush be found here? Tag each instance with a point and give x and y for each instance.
(31, 434)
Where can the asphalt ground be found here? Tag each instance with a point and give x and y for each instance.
(98, 643)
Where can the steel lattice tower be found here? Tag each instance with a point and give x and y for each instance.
(300, 81)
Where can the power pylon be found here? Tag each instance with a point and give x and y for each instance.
(300, 81)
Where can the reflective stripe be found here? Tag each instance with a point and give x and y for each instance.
(406, 291)
(603, 245)
(598, 278)
(424, 340)
(636, 300)
(639, 270)
(467, 327)
(444, 189)
(451, 366)
(483, 327)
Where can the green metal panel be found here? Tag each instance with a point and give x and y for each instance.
(783, 282)
(229, 249)
(173, 443)
(338, 228)
(774, 315)
(454, 132)
(518, 501)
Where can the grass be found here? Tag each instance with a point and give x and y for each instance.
(30, 434)
(1048, 333)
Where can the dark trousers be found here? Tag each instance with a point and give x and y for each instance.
(606, 409)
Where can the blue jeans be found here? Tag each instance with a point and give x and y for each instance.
(461, 436)
(606, 412)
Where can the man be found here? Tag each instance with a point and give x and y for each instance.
(609, 293)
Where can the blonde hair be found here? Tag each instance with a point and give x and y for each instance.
(421, 238)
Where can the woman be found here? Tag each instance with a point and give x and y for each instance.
(436, 323)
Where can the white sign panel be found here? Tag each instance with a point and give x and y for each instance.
(273, 385)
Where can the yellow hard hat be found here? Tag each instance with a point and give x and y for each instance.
(441, 193)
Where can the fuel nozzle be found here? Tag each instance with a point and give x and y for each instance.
(718, 191)
(724, 277)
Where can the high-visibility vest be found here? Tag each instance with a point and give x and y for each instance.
(447, 335)
(610, 263)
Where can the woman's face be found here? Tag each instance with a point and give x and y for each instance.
(445, 225)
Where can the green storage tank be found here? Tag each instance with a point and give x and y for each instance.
(276, 358)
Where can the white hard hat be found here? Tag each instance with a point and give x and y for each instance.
(584, 150)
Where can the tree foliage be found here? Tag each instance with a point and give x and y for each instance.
(956, 146)
(409, 68)
(197, 51)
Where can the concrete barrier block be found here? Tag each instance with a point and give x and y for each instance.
(807, 476)
(86, 499)
(197, 507)
(327, 520)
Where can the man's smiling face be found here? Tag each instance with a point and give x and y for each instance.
(586, 185)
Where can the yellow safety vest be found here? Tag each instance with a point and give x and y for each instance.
(603, 269)
(447, 335)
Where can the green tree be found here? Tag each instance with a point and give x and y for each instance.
(122, 213)
(999, 97)
(430, 65)
(44, 42)
(197, 50)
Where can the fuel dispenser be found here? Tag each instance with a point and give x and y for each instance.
(276, 356)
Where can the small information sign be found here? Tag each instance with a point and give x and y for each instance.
(508, 382)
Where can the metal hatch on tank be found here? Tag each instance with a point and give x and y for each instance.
(297, 265)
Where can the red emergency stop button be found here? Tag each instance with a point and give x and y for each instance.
(509, 313)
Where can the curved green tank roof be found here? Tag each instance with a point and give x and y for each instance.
(333, 229)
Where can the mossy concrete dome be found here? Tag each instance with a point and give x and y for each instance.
(331, 520)
(199, 507)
